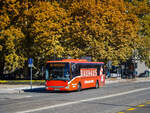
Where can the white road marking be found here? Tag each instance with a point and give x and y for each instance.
(81, 101)
(28, 96)
(21, 97)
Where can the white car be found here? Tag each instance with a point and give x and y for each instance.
(114, 75)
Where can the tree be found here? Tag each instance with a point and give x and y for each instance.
(11, 35)
(45, 21)
(29, 29)
(102, 31)
(137, 7)
(144, 51)
(141, 8)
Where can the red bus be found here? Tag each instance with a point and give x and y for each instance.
(74, 74)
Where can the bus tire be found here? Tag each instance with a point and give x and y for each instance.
(79, 87)
(97, 84)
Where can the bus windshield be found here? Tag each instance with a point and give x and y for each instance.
(57, 71)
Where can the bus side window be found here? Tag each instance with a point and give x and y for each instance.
(75, 70)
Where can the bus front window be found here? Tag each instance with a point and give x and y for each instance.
(58, 71)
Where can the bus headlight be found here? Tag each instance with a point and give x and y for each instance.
(67, 87)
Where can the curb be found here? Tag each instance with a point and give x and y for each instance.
(34, 82)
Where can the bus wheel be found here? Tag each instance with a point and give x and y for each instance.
(97, 85)
(79, 87)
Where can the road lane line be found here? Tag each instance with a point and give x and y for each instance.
(140, 105)
(148, 103)
(81, 101)
(131, 109)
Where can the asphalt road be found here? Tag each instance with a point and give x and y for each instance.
(113, 98)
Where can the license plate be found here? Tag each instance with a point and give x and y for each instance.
(56, 89)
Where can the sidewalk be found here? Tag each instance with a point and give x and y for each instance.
(117, 80)
(5, 88)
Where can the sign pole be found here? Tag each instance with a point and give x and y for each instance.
(30, 65)
(31, 77)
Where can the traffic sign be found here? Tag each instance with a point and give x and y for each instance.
(30, 62)
(30, 65)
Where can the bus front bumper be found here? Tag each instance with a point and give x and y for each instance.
(51, 88)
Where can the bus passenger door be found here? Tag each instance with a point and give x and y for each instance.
(102, 76)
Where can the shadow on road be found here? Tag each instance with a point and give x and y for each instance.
(43, 90)
(36, 90)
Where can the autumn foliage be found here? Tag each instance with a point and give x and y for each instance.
(141, 8)
(42, 29)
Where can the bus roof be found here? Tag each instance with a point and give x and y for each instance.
(74, 61)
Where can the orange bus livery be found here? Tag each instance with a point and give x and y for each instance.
(74, 74)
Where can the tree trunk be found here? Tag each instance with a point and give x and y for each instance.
(2, 65)
(26, 72)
